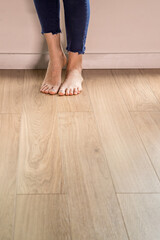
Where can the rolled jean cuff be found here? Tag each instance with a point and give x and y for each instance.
(50, 31)
(80, 51)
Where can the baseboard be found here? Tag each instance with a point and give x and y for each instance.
(90, 60)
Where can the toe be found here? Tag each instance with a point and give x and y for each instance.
(67, 91)
(75, 91)
(61, 92)
(71, 91)
(43, 86)
(53, 90)
(44, 89)
(78, 90)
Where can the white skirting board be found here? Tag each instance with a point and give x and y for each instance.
(90, 60)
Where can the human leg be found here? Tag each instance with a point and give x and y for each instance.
(48, 12)
(77, 15)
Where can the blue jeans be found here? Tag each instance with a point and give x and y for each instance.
(77, 15)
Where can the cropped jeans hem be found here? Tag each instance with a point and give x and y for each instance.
(80, 51)
(76, 16)
(50, 31)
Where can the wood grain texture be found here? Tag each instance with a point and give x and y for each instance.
(93, 208)
(11, 90)
(42, 217)
(148, 125)
(63, 159)
(9, 134)
(135, 90)
(75, 103)
(129, 163)
(153, 77)
(142, 215)
(40, 167)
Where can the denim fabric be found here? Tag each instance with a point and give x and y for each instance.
(77, 15)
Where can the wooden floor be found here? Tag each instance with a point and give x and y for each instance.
(83, 167)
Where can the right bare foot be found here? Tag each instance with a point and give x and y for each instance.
(52, 80)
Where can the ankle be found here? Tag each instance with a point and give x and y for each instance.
(76, 69)
(56, 54)
(74, 61)
(74, 64)
(57, 58)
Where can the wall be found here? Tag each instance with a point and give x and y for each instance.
(121, 34)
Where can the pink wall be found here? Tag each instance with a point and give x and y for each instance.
(126, 26)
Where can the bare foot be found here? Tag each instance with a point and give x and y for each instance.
(72, 84)
(52, 80)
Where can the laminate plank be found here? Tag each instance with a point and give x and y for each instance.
(129, 163)
(93, 207)
(135, 90)
(11, 90)
(153, 77)
(148, 125)
(40, 165)
(42, 217)
(142, 215)
(9, 132)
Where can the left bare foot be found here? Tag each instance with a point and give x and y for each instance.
(72, 84)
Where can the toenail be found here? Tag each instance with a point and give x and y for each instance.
(53, 90)
(45, 91)
(61, 91)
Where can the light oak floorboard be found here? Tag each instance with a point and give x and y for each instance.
(75, 103)
(129, 163)
(85, 149)
(153, 77)
(40, 166)
(11, 90)
(142, 215)
(93, 207)
(9, 134)
(148, 125)
(135, 90)
(42, 217)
